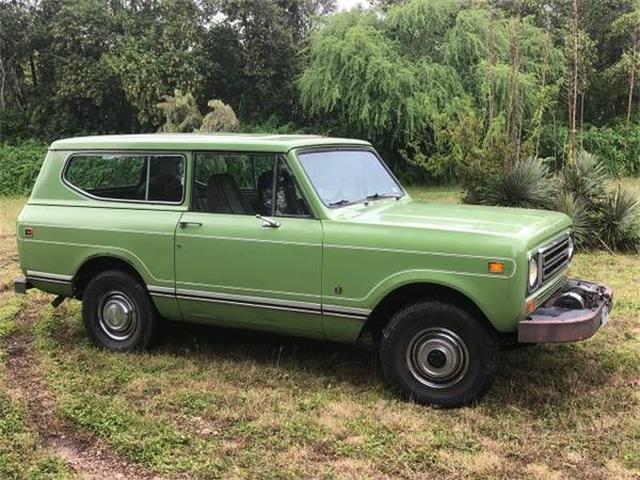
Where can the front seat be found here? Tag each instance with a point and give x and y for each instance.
(223, 196)
(265, 192)
(286, 203)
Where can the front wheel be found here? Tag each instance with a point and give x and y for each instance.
(437, 353)
(118, 313)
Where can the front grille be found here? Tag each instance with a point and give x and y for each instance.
(554, 257)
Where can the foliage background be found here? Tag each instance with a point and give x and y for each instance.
(447, 90)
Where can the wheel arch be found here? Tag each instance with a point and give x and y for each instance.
(413, 292)
(97, 264)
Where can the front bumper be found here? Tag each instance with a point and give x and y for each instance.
(556, 321)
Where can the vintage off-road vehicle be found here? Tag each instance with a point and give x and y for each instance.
(300, 235)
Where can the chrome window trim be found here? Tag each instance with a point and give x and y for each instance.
(93, 153)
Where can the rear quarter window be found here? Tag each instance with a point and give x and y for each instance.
(128, 177)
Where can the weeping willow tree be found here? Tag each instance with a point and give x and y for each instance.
(444, 85)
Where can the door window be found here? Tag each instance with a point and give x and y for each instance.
(243, 184)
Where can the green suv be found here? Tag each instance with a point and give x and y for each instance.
(299, 235)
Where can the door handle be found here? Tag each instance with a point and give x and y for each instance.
(182, 224)
(267, 222)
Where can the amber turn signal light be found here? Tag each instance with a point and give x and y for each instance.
(496, 267)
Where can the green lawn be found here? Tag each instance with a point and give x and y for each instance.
(210, 403)
(445, 194)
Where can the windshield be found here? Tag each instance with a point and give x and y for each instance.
(349, 176)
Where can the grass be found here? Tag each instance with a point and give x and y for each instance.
(20, 453)
(11, 207)
(440, 194)
(210, 403)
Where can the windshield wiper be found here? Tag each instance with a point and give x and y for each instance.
(342, 201)
(377, 196)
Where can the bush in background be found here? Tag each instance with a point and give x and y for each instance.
(182, 114)
(527, 184)
(601, 217)
(19, 166)
(618, 152)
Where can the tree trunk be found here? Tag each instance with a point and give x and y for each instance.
(573, 96)
(581, 118)
(34, 75)
(492, 61)
(545, 62)
(632, 81)
(513, 112)
(3, 80)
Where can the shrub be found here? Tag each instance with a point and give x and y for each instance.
(182, 114)
(601, 218)
(586, 179)
(578, 211)
(527, 184)
(618, 225)
(19, 166)
(617, 150)
(221, 118)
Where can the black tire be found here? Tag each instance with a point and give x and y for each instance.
(438, 354)
(118, 313)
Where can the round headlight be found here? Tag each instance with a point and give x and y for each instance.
(533, 272)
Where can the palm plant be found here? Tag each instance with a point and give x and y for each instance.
(586, 179)
(578, 211)
(526, 184)
(601, 218)
(618, 223)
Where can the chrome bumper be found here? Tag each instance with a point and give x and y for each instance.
(557, 321)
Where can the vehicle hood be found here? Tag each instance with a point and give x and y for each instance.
(528, 225)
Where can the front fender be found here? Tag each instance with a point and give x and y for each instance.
(498, 298)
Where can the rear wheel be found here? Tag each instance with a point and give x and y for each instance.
(118, 313)
(436, 353)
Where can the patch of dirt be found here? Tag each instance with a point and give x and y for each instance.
(86, 455)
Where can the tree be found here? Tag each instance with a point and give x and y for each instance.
(269, 36)
(14, 39)
(159, 50)
(443, 85)
(627, 29)
(76, 90)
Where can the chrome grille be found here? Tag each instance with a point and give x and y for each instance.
(554, 257)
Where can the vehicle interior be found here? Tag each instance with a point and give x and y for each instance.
(248, 190)
(126, 177)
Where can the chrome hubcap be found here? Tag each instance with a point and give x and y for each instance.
(437, 357)
(117, 315)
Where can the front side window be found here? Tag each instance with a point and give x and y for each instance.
(244, 184)
(151, 178)
(344, 177)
